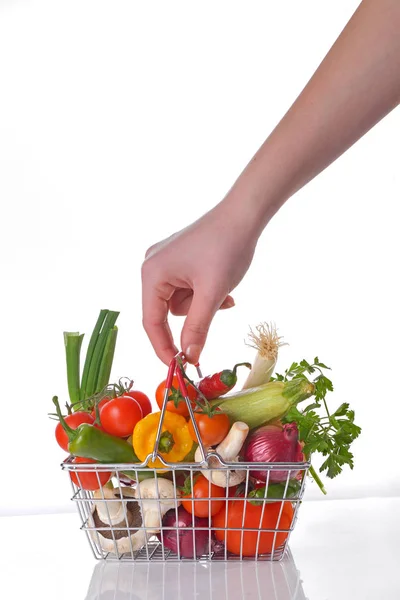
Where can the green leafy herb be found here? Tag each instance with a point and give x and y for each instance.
(329, 433)
(186, 488)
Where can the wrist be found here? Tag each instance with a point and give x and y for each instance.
(254, 198)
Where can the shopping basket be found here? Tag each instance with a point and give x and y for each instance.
(138, 517)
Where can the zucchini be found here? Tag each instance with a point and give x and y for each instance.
(260, 405)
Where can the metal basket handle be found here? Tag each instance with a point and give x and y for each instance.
(175, 368)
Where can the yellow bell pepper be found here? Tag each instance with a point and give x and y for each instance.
(175, 442)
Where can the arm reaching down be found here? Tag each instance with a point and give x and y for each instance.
(193, 272)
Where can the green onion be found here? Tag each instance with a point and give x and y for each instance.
(107, 360)
(98, 352)
(90, 350)
(267, 343)
(73, 343)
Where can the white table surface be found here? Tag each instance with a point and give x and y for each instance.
(341, 550)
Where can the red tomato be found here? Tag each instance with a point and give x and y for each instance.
(88, 480)
(212, 429)
(254, 518)
(202, 490)
(142, 399)
(176, 398)
(101, 404)
(73, 420)
(120, 415)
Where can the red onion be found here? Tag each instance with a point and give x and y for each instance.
(172, 537)
(273, 444)
(126, 480)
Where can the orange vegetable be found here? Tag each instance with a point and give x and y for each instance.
(233, 517)
(202, 490)
(176, 403)
(213, 429)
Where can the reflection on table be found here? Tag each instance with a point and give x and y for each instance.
(187, 580)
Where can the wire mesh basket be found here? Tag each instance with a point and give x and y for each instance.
(142, 514)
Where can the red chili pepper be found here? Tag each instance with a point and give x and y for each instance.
(219, 384)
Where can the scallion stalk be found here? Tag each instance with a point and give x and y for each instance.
(107, 360)
(73, 343)
(90, 350)
(98, 352)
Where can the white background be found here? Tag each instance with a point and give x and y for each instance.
(120, 123)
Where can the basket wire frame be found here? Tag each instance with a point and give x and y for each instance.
(153, 547)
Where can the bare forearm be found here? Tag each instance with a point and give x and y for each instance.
(194, 271)
(356, 85)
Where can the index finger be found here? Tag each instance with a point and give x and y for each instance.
(155, 322)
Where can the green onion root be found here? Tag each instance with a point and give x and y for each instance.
(267, 342)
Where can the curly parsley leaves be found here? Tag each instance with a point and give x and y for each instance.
(330, 434)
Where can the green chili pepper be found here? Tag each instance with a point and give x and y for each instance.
(142, 474)
(88, 441)
(275, 490)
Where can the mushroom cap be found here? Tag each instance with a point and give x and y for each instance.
(154, 497)
(158, 495)
(118, 543)
(155, 488)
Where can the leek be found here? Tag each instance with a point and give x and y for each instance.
(267, 342)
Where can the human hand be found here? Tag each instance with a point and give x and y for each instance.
(192, 273)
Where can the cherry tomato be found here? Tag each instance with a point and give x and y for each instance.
(88, 480)
(143, 400)
(232, 517)
(101, 404)
(212, 429)
(204, 489)
(120, 415)
(73, 420)
(177, 402)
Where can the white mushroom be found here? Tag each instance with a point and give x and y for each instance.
(228, 450)
(110, 513)
(156, 502)
(142, 507)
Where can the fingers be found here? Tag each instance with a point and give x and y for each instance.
(155, 321)
(227, 303)
(181, 300)
(195, 330)
(157, 328)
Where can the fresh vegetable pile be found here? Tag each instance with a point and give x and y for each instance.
(258, 441)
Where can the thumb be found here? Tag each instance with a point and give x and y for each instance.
(195, 329)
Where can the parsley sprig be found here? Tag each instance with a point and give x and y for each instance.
(329, 433)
